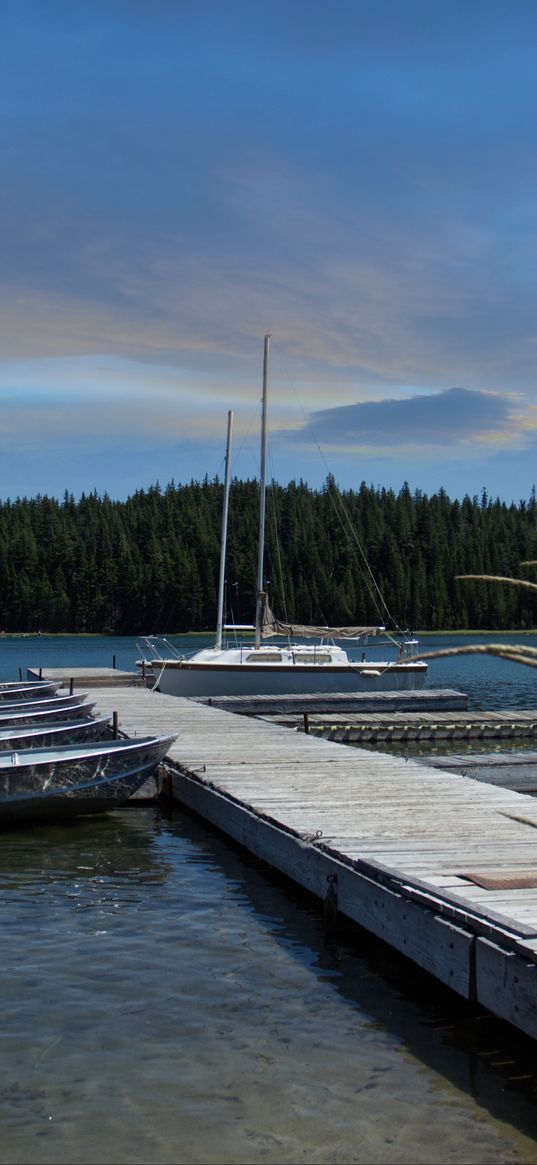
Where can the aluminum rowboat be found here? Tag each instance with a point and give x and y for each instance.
(52, 733)
(28, 689)
(39, 785)
(35, 713)
(35, 703)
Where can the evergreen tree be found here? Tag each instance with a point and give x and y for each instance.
(151, 563)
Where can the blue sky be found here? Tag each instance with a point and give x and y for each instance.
(357, 178)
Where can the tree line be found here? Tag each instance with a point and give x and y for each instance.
(149, 564)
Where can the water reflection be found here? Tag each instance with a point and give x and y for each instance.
(167, 999)
(109, 845)
(478, 1054)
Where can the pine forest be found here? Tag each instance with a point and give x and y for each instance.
(149, 565)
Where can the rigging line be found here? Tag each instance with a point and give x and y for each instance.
(376, 587)
(244, 443)
(231, 609)
(354, 535)
(246, 438)
(351, 530)
(272, 492)
(277, 537)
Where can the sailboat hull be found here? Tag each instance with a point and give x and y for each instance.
(190, 679)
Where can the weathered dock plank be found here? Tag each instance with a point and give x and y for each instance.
(403, 847)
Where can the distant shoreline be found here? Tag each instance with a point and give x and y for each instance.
(424, 634)
(204, 634)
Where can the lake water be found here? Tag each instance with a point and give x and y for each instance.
(168, 999)
(489, 682)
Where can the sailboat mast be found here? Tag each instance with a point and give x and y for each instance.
(262, 494)
(223, 538)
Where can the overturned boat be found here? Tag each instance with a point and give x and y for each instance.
(36, 712)
(42, 703)
(27, 689)
(49, 733)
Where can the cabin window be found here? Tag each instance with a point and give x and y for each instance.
(313, 657)
(264, 657)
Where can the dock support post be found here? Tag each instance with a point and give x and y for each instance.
(330, 906)
(115, 725)
(306, 723)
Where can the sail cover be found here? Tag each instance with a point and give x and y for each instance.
(270, 625)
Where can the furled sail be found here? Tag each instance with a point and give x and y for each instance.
(270, 626)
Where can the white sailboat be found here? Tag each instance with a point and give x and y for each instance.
(288, 668)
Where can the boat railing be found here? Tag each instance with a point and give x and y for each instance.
(153, 648)
(409, 648)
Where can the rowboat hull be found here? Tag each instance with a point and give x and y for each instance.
(53, 733)
(11, 690)
(38, 785)
(38, 702)
(37, 713)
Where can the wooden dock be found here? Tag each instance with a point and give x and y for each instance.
(441, 867)
(361, 717)
(96, 677)
(377, 717)
(347, 703)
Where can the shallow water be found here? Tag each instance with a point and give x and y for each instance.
(167, 999)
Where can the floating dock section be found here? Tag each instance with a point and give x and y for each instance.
(390, 727)
(440, 866)
(429, 714)
(511, 770)
(341, 703)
